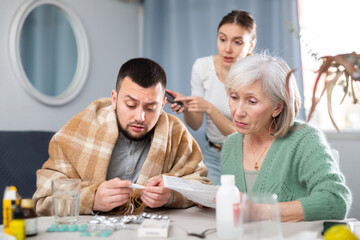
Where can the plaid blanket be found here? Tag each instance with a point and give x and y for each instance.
(83, 147)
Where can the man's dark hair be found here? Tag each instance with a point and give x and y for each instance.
(142, 71)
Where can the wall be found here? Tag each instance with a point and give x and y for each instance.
(113, 29)
(348, 145)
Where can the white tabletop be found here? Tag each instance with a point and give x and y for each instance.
(194, 219)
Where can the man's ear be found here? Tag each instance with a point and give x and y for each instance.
(163, 103)
(278, 109)
(113, 99)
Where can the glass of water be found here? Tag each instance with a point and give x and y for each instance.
(66, 198)
(260, 218)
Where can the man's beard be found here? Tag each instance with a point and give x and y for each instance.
(127, 133)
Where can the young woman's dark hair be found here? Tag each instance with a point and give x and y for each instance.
(243, 18)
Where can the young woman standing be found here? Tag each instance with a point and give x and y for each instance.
(236, 39)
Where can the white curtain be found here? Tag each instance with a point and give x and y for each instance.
(177, 32)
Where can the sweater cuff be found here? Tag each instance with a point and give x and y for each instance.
(312, 209)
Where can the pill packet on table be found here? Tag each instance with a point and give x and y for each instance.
(155, 216)
(104, 226)
(106, 223)
(120, 222)
(67, 228)
(97, 233)
(87, 230)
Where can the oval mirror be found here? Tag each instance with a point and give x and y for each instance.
(49, 51)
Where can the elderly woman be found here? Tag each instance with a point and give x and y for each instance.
(271, 152)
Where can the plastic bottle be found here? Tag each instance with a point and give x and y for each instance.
(18, 224)
(31, 227)
(9, 201)
(226, 196)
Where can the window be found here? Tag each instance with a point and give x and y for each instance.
(329, 27)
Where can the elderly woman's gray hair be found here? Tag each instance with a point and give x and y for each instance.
(272, 73)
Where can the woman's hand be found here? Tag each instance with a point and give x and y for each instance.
(191, 103)
(176, 107)
(196, 104)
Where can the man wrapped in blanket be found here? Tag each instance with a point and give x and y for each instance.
(125, 139)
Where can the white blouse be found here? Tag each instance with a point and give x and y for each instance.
(206, 84)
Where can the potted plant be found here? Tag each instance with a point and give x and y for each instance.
(331, 70)
(342, 69)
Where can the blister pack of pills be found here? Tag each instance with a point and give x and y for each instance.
(67, 228)
(104, 226)
(86, 230)
(118, 223)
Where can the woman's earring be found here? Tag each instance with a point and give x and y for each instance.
(275, 127)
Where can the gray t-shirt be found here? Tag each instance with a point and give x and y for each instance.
(128, 158)
(250, 178)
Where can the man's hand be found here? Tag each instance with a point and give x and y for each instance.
(111, 194)
(155, 194)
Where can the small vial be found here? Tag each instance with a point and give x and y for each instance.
(9, 204)
(18, 224)
(31, 226)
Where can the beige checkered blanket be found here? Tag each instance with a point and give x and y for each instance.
(83, 147)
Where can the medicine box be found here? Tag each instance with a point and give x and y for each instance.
(154, 228)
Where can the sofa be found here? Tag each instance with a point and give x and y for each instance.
(22, 153)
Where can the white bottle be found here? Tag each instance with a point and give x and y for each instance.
(226, 196)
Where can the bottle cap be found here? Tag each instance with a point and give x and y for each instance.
(227, 180)
(27, 203)
(10, 194)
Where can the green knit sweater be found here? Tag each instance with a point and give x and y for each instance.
(298, 166)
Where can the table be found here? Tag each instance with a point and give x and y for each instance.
(193, 219)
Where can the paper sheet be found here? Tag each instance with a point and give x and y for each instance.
(197, 192)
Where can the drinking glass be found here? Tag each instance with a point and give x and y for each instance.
(259, 217)
(66, 197)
